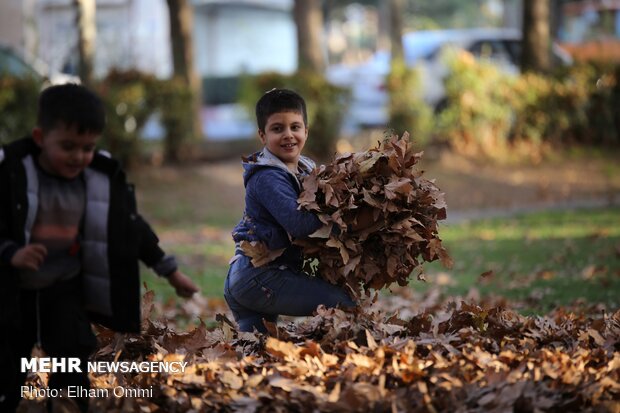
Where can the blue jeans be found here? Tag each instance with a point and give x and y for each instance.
(254, 294)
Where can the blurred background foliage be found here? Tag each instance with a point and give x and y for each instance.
(498, 115)
(487, 112)
(407, 110)
(130, 97)
(18, 102)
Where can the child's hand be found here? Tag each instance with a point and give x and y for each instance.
(183, 285)
(29, 257)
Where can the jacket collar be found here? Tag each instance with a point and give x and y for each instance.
(265, 158)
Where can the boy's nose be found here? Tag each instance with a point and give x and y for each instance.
(77, 156)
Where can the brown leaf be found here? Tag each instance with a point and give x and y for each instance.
(489, 273)
(259, 253)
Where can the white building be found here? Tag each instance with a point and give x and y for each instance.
(230, 37)
(234, 37)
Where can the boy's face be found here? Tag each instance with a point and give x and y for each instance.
(64, 152)
(285, 135)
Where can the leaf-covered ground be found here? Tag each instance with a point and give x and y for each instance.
(404, 352)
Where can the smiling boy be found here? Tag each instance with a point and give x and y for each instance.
(70, 241)
(272, 217)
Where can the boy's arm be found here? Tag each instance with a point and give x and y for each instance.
(8, 248)
(275, 192)
(182, 284)
(149, 251)
(164, 265)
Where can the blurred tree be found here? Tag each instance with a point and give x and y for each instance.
(397, 8)
(181, 22)
(407, 111)
(383, 31)
(87, 32)
(535, 55)
(308, 16)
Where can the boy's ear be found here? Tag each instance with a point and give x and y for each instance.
(37, 135)
(261, 135)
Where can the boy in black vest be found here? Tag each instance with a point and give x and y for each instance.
(70, 242)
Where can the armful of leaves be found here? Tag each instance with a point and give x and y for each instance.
(386, 212)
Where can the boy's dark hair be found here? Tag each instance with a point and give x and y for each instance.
(71, 105)
(279, 100)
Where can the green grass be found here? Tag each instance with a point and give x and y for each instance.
(540, 259)
(205, 261)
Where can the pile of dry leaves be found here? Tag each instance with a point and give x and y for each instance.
(450, 357)
(380, 214)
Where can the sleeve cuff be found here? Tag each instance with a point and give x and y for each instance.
(166, 266)
(7, 250)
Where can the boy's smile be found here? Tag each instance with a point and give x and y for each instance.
(285, 135)
(64, 152)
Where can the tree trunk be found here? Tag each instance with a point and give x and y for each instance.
(308, 17)
(31, 29)
(397, 8)
(87, 33)
(383, 31)
(536, 36)
(181, 37)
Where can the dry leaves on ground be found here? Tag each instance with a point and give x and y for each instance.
(449, 357)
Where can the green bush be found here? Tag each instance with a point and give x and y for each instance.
(326, 105)
(573, 105)
(603, 110)
(613, 82)
(18, 105)
(495, 114)
(131, 97)
(127, 96)
(478, 116)
(407, 109)
(173, 99)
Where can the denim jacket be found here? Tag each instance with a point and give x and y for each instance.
(272, 213)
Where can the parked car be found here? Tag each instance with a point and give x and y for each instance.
(424, 50)
(15, 64)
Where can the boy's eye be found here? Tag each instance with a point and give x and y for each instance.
(67, 146)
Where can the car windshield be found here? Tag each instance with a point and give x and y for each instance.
(421, 45)
(13, 65)
(426, 44)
